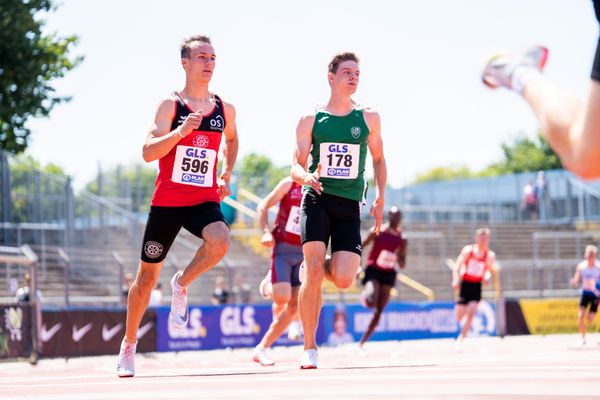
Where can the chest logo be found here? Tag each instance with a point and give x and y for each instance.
(217, 123)
(355, 131)
(201, 141)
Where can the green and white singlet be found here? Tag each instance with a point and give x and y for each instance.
(340, 145)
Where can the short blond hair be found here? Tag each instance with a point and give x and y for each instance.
(590, 249)
(483, 231)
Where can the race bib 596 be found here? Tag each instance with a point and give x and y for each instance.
(194, 166)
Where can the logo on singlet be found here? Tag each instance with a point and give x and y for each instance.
(217, 123)
(153, 249)
(181, 119)
(355, 131)
(201, 141)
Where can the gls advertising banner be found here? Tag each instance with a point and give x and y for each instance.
(213, 327)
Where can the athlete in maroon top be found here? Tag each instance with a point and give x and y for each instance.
(387, 255)
(282, 282)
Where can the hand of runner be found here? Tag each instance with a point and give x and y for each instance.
(223, 188)
(267, 239)
(312, 180)
(192, 122)
(377, 212)
(455, 283)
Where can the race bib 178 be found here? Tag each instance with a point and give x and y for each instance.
(194, 166)
(339, 160)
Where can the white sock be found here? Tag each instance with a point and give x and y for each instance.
(521, 76)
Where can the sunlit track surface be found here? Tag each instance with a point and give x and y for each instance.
(525, 367)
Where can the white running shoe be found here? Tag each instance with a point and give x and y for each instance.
(580, 343)
(295, 331)
(500, 67)
(179, 304)
(125, 364)
(458, 345)
(259, 355)
(309, 359)
(263, 288)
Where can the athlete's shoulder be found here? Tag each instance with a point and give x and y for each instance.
(307, 120)
(228, 107)
(491, 254)
(582, 264)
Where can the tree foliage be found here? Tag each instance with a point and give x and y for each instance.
(29, 61)
(257, 173)
(519, 154)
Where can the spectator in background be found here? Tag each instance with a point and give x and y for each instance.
(242, 293)
(220, 294)
(23, 293)
(530, 201)
(340, 335)
(156, 296)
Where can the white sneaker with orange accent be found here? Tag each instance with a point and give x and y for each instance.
(308, 360)
(259, 355)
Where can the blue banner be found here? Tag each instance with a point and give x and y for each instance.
(403, 321)
(216, 327)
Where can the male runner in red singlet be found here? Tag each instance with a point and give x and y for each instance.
(475, 264)
(387, 254)
(185, 138)
(282, 282)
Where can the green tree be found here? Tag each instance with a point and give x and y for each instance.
(129, 186)
(29, 61)
(522, 154)
(443, 174)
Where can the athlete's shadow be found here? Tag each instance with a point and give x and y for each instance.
(385, 366)
(209, 374)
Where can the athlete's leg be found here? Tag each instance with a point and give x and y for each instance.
(370, 293)
(382, 299)
(471, 310)
(216, 244)
(139, 297)
(290, 309)
(310, 298)
(343, 268)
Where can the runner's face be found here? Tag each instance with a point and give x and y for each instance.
(591, 257)
(201, 62)
(482, 240)
(346, 78)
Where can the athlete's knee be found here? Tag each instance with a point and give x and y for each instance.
(145, 281)
(218, 241)
(314, 269)
(281, 297)
(292, 306)
(343, 281)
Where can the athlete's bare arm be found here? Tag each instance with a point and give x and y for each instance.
(401, 255)
(299, 171)
(161, 138)
(262, 210)
(379, 167)
(575, 279)
(230, 150)
(458, 265)
(370, 238)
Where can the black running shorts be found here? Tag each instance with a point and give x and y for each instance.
(469, 291)
(589, 299)
(325, 216)
(164, 223)
(382, 277)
